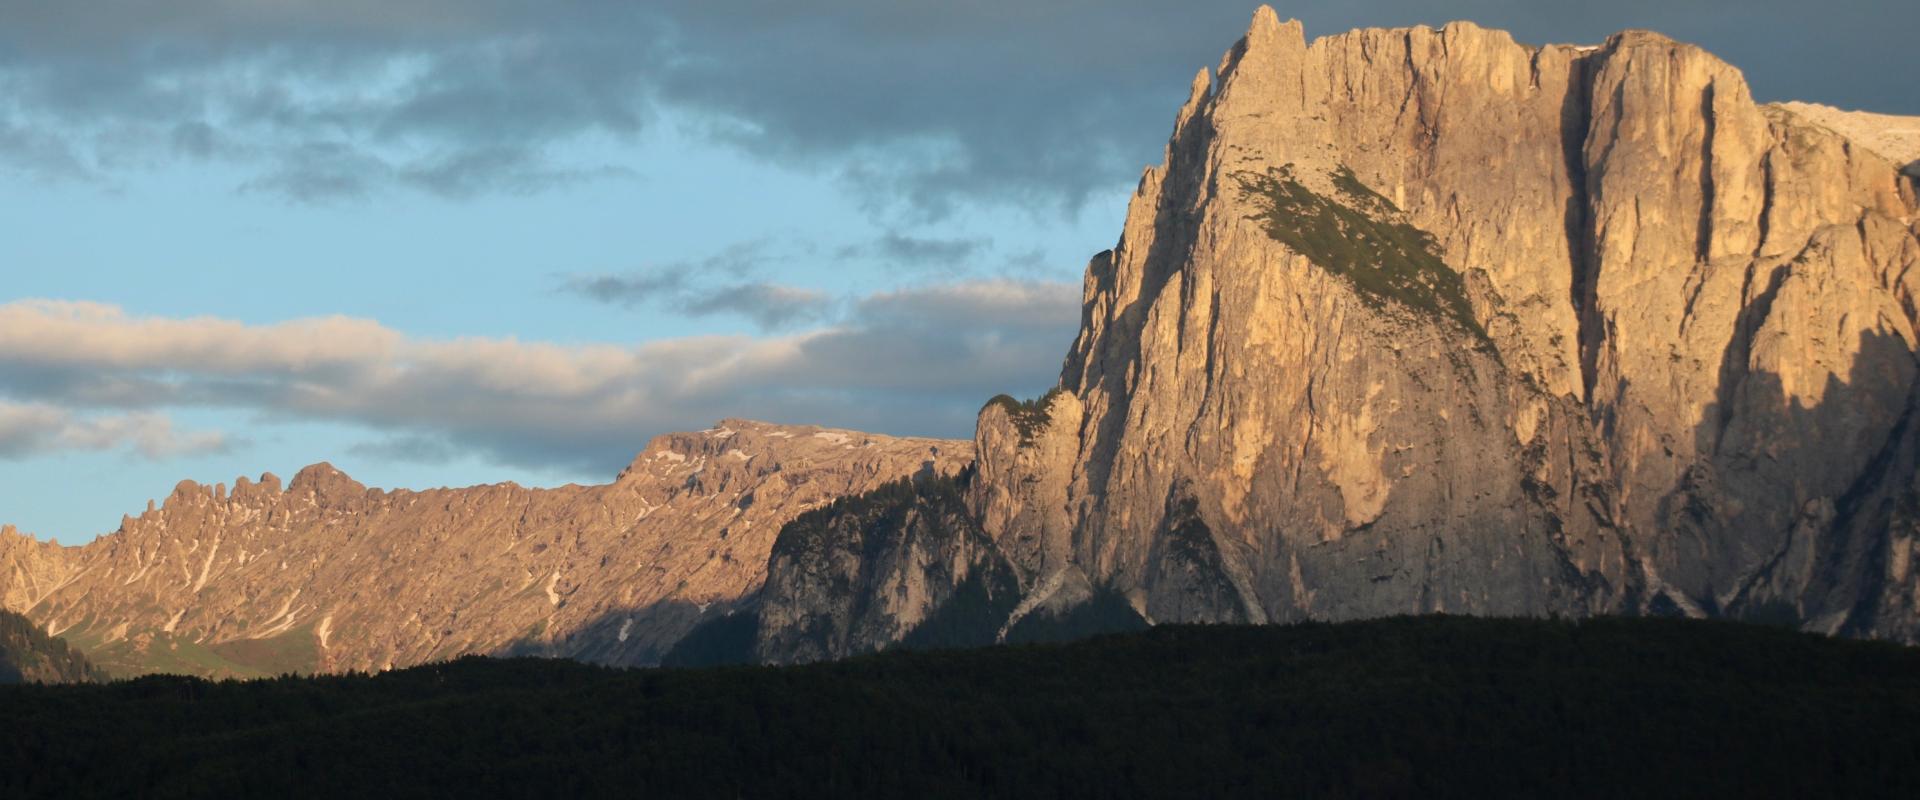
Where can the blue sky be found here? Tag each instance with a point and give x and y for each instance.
(446, 243)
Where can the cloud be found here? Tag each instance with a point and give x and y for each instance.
(919, 106)
(771, 306)
(685, 287)
(327, 171)
(38, 154)
(35, 429)
(408, 448)
(672, 282)
(916, 361)
(917, 253)
(323, 101)
(632, 289)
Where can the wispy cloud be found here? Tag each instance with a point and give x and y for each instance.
(36, 428)
(909, 252)
(726, 282)
(731, 281)
(408, 448)
(769, 305)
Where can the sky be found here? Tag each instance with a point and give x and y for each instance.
(467, 241)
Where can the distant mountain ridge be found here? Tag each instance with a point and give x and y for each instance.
(328, 575)
(1894, 137)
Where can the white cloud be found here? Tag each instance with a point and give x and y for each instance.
(104, 336)
(35, 428)
(912, 361)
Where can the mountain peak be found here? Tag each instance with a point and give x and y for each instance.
(325, 480)
(1267, 27)
(186, 491)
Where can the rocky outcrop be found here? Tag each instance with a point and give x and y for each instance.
(326, 574)
(30, 568)
(1433, 321)
(905, 564)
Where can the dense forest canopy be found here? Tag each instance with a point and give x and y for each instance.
(1429, 706)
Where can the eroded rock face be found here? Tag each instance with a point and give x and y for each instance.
(30, 568)
(1685, 357)
(329, 575)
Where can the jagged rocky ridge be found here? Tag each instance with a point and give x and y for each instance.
(328, 575)
(1433, 321)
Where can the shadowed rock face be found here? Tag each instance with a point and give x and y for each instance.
(906, 564)
(29, 655)
(329, 575)
(1433, 321)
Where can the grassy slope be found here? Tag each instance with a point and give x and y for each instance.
(295, 651)
(1421, 706)
(1361, 237)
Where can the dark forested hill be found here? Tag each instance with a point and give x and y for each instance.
(28, 654)
(1407, 706)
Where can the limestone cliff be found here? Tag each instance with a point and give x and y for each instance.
(1434, 321)
(326, 574)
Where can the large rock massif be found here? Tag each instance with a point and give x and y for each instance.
(1433, 321)
(328, 575)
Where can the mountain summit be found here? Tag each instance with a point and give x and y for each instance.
(1433, 321)
(1419, 320)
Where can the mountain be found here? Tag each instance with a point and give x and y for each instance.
(1425, 320)
(328, 575)
(1403, 707)
(1408, 321)
(29, 655)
